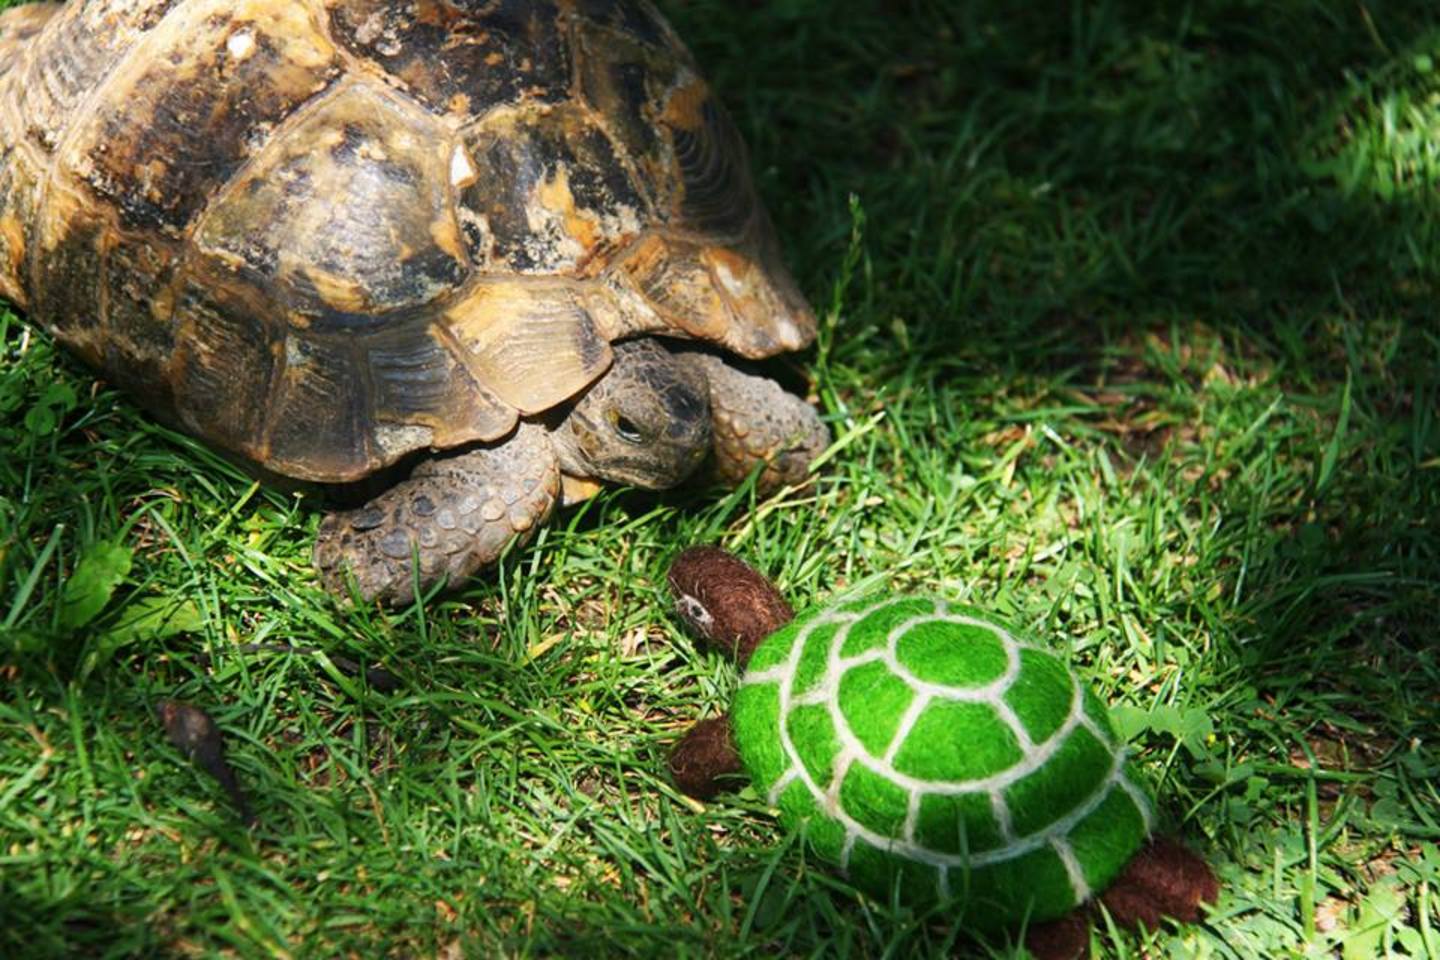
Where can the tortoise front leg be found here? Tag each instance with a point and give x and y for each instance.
(456, 513)
(755, 421)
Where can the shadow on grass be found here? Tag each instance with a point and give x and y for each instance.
(1059, 182)
(1047, 190)
(70, 923)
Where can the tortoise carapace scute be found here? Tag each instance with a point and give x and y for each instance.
(326, 234)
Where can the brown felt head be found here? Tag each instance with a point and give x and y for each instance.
(726, 602)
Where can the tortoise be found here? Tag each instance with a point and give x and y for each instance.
(935, 754)
(511, 245)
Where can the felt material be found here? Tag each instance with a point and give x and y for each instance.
(725, 602)
(775, 649)
(878, 621)
(1165, 879)
(1099, 716)
(1101, 841)
(936, 750)
(704, 758)
(815, 659)
(873, 701)
(951, 654)
(754, 718)
(1032, 887)
(811, 725)
(874, 801)
(936, 755)
(1039, 694)
(1077, 769)
(1067, 938)
(964, 822)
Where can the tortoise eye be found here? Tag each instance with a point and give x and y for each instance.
(626, 429)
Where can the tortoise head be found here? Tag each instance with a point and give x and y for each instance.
(645, 422)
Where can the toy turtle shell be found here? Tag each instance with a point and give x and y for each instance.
(931, 752)
(327, 235)
(924, 744)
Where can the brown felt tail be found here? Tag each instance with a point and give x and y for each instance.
(1165, 879)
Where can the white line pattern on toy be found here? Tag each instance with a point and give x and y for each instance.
(912, 814)
(828, 692)
(906, 724)
(786, 778)
(1066, 853)
(1054, 834)
(1142, 802)
(1003, 820)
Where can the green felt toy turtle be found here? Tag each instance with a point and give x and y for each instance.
(932, 752)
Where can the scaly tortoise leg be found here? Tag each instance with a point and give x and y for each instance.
(457, 514)
(758, 421)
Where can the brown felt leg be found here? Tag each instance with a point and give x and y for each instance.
(457, 514)
(1165, 879)
(1066, 938)
(757, 421)
(706, 755)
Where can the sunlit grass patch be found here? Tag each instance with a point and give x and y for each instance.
(1137, 346)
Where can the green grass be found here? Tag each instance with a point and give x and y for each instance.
(1138, 346)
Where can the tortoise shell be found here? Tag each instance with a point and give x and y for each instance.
(327, 233)
(928, 749)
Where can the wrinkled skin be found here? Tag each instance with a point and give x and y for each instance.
(649, 422)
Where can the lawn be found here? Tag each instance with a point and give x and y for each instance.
(1128, 334)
